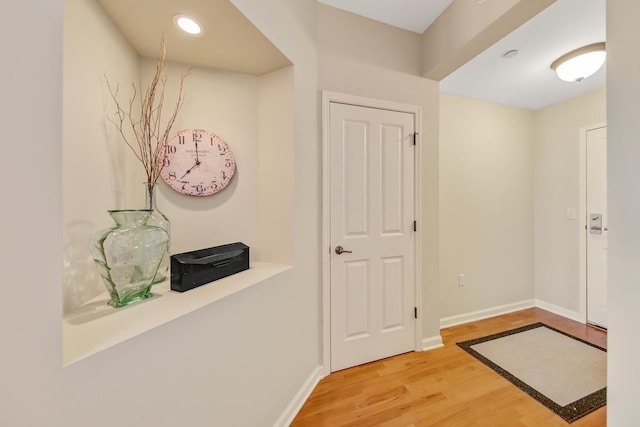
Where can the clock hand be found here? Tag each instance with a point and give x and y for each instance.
(197, 159)
(190, 169)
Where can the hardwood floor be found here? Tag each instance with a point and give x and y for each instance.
(443, 387)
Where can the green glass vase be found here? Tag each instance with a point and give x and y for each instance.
(128, 255)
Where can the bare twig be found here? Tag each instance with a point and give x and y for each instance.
(149, 136)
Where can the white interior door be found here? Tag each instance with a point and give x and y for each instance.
(372, 219)
(596, 185)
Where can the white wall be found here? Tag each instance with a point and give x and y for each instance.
(623, 156)
(486, 205)
(255, 348)
(355, 55)
(556, 158)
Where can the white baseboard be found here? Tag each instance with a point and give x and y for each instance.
(560, 311)
(448, 322)
(292, 409)
(432, 343)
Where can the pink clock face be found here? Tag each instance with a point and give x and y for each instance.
(197, 163)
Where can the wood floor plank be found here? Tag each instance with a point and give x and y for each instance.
(444, 387)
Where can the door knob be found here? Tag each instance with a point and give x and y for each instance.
(340, 250)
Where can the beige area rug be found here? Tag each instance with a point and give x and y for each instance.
(564, 373)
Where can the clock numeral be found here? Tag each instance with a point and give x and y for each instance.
(208, 173)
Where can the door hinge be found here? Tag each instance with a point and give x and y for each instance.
(415, 137)
(415, 312)
(415, 225)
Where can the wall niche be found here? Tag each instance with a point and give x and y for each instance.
(240, 87)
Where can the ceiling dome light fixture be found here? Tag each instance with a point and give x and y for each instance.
(188, 25)
(581, 63)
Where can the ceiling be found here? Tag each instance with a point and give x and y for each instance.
(412, 15)
(230, 41)
(525, 80)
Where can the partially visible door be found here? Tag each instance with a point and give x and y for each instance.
(596, 185)
(372, 234)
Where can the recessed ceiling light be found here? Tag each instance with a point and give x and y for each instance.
(188, 25)
(510, 54)
(581, 63)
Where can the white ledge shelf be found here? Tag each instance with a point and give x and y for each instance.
(96, 326)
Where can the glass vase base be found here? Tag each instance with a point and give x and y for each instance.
(131, 298)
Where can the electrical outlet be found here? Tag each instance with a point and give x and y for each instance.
(461, 280)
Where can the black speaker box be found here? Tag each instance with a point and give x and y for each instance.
(192, 269)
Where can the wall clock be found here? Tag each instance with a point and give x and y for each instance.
(197, 163)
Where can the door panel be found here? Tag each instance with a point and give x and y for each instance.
(372, 213)
(597, 233)
(356, 306)
(392, 270)
(356, 178)
(392, 180)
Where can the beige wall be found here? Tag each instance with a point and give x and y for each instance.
(199, 370)
(275, 187)
(226, 104)
(31, 245)
(553, 145)
(209, 355)
(357, 74)
(95, 161)
(556, 158)
(486, 205)
(108, 175)
(352, 37)
(623, 154)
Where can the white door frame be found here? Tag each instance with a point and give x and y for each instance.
(582, 216)
(341, 98)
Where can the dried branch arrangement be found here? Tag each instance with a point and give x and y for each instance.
(149, 134)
